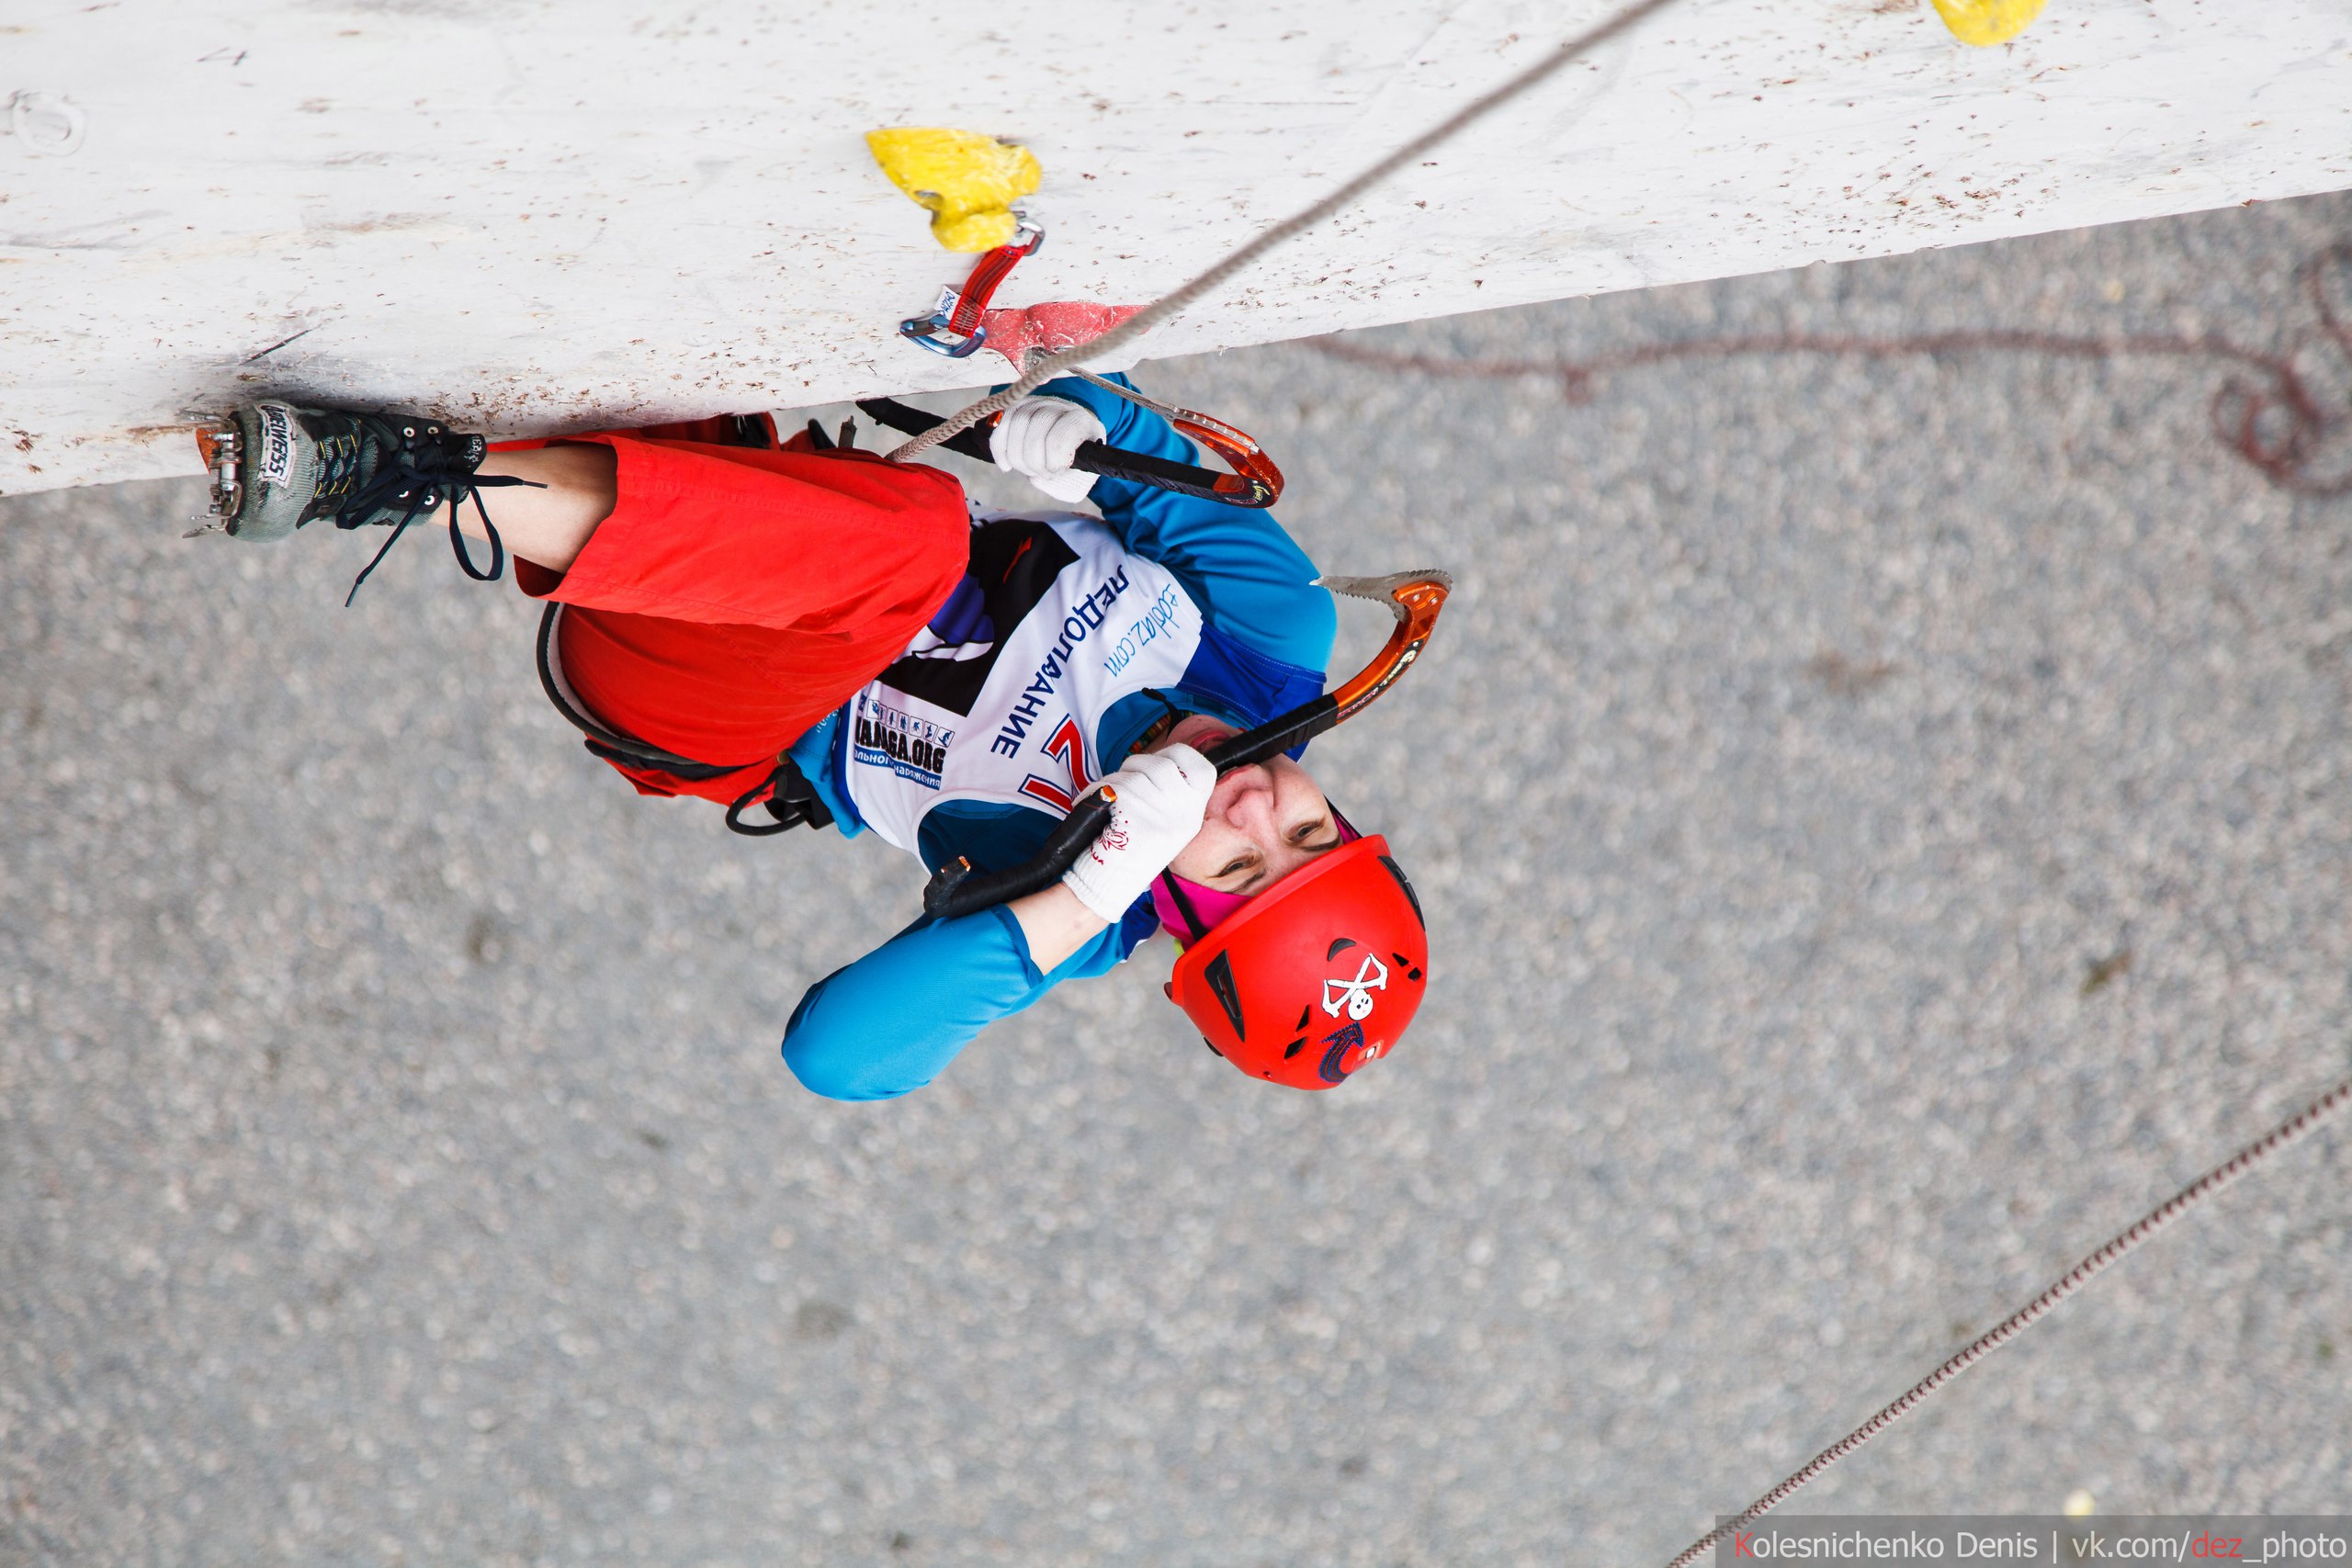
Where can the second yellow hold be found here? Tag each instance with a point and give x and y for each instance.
(1984, 22)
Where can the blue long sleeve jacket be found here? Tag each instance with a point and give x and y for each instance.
(891, 1022)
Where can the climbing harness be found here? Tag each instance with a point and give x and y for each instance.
(2296, 1126)
(954, 327)
(789, 797)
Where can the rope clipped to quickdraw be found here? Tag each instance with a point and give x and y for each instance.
(1046, 367)
(2081, 1274)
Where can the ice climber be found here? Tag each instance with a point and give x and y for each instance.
(842, 640)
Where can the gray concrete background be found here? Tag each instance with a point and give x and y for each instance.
(396, 1165)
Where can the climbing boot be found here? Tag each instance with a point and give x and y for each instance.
(276, 467)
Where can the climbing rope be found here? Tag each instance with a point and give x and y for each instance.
(2148, 1224)
(1046, 368)
(2280, 460)
(2266, 411)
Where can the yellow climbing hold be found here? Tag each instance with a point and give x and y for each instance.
(1983, 22)
(969, 182)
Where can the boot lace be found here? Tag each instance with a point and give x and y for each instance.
(418, 469)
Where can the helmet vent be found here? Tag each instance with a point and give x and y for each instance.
(1303, 1014)
(1219, 975)
(1293, 1048)
(1413, 898)
(1339, 947)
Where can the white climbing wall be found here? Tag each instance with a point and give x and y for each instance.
(530, 216)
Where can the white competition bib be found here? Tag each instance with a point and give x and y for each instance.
(998, 699)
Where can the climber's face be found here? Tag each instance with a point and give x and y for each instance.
(1263, 822)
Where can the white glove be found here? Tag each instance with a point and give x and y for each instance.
(1037, 437)
(1161, 798)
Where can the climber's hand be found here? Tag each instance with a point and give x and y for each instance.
(1037, 437)
(1158, 801)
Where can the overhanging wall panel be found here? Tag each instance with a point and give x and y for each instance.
(531, 217)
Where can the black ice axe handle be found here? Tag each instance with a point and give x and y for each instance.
(1413, 597)
(1093, 458)
(957, 889)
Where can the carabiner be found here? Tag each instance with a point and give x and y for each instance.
(924, 330)
(954, 327)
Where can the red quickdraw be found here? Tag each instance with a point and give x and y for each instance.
(954, 327)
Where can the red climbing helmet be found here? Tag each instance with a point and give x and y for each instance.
(1314, 976)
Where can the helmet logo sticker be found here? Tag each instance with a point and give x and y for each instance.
(1346, 1049)
(1356, 995)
